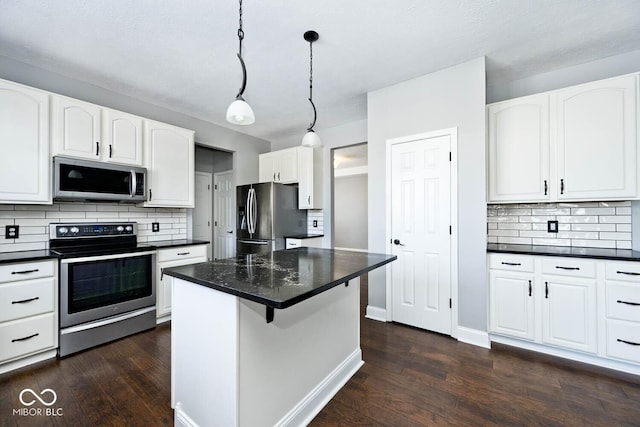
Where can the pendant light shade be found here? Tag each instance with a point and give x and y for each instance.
(311, 139)
(239, 112)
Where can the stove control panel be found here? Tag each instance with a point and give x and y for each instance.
(62, 231)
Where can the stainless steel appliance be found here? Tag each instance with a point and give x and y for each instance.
(266, 213)
(107, 283)
(76, 179)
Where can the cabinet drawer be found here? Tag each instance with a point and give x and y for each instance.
(293, 243)
(183, 252)
(623, 301)
(623, 340)
(625, 271)
(511, 262)
(26, 271)
(28, 298)
(26, 336)
(569, 267)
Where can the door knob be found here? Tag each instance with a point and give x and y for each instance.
(397, 242)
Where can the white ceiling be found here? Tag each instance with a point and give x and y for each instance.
(181, 54)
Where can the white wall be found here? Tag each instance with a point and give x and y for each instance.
(350, 216)
(596, 70)
(454, 97)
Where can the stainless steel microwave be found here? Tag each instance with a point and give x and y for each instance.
(76, 179)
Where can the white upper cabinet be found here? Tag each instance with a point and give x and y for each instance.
(279, 166)
(595, 136)
(577, 144)
(76, 128)
(24, 143)
(170, 162)
(518, 149)
(88, 131)
(122, 136)
(297, 165)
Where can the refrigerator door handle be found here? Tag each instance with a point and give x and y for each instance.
(254, 242)
(250, 211)
(254, 210)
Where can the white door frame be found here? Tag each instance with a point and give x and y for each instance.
(453, 134)
(209, 208)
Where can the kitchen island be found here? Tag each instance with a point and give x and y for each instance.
(265, 340)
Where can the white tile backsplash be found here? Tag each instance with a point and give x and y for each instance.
(315, 215)
(34, 221)
(580, 224)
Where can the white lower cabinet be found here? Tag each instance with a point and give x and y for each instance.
(579, 308)
(173, 257)
(28, 310)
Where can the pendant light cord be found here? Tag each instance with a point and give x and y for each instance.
(244, 68)
(315, 115)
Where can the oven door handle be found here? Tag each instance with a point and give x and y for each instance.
(104, 257)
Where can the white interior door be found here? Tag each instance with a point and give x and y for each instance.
(202, 209)
(420, 232)
(224, 221)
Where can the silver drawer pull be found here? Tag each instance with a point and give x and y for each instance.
(510, 263)
(25, 338)
(627, 302)
(567, 268)
(25, 271)
(628, 342)
(183, 253)
(629, 273)
(25, 300)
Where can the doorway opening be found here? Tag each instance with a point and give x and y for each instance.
(201, 220)
(350, 197)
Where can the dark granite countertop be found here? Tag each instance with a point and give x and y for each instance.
(165, 244)
(22, 256)
(303, 236)
(282, 278)
(566, 251)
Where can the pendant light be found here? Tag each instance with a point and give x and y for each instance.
(239, 112)
(310, 139)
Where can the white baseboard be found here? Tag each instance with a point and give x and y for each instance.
(312, 403)
(26, 361)
(180, 419)
(376, 313)
(474, 337)
(163, 319)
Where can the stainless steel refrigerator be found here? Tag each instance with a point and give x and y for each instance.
(267, 212)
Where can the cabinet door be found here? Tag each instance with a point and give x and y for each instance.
(24, 142)
(122, 136)
(287, 172)
(267, 167)
(596, 140)
(309, 178)
(518, 150)
(569, 312)
(511, 300)
(169, 158)
(76, 128)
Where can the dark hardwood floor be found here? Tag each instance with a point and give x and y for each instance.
(410, 378)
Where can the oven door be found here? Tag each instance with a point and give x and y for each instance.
(97, 287)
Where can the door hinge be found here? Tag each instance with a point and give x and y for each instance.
(215, 223)
(208, 223)
(215, 187)
(450, 303)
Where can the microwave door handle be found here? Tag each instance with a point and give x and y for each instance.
(134, 184)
